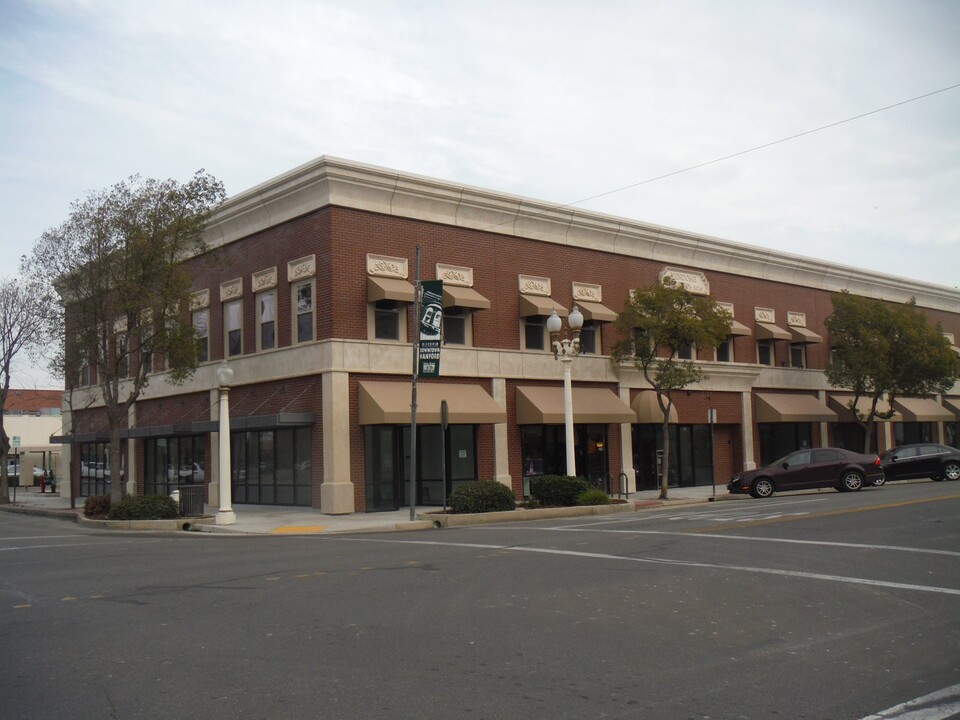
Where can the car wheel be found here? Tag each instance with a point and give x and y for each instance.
(877, 482)
(951, 471)
(851, 480)
(762, 488)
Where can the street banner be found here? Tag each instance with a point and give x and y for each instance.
(431, 325)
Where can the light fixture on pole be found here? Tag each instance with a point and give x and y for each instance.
(225, 516)
(564, 349)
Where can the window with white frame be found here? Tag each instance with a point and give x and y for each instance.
(765, 354)
(798, 355)
(201, 326)
(303, 311)
(590, 343)
(534, 332)
(725, 350)
(455, 325)
(386, 320)
(267, 320)
(233, 327)
(686, 352)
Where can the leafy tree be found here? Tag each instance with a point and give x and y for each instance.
(658, 322)
(118, 265)
(22, 322)
(880, 349)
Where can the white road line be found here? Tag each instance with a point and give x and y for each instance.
(38, 537)
(666, 561)
(791, 541)
(938, 705)
(73, 545)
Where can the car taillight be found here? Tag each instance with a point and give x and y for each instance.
(877, 462)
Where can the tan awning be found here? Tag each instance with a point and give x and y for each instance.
(769, 331)
(953, 405)
(381, 288)
(544, 406)
(596, 312)
(388, 403)
(648, 410)
(841, 404)
(531, 305)
(776, 407)
(457, 296)
(922, 410)
(737, 328)
(802, 335)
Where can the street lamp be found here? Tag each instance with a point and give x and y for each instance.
(225, 516)
(564, 350)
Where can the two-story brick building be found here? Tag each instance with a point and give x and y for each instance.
(311, 301)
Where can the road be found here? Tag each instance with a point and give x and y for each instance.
(815, 605)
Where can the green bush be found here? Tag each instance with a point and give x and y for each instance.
(97, 506)
(481, 497)
(593, 496)
(557, 490)
(144, 507)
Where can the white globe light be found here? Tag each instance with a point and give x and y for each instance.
(553, 323)
(575, 321)
(224, 375)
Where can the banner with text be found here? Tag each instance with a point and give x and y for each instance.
(431, 325)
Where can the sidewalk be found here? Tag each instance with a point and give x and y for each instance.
(279, 520)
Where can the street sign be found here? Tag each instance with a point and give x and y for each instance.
(431, 321)
(16, 441)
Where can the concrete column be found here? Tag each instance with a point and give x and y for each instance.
(746, 431)
(626, 446)
(336, 492)
(131, 468)
(501, 452)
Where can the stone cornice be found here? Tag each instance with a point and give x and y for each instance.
(333, 181)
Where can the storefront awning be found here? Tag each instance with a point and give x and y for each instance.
(739, 329)
(388, 403)
(802, 335)
(648, 410)
(769, 331)
(776, 407)
(596, 312)
(953, 405)
(922, 410)
(841, 404)
(456, 296)
(544, 406)
(532, 305)
(382, 288)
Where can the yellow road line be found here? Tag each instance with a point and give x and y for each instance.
(829, 513)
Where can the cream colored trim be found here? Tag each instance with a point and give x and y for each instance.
(765, 315)
(231, 289)
(455, 275)
(302, 268)
(693, 280)
(329, 181)
(387, 266)
(264, 279)
(200, 299)
(796, 319)
(533, 285)
(587, 292)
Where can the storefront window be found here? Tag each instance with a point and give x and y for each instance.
(779, 439)
(272, 467)
(173, 461)
(908, 433)
(544, 452)
(691, 455)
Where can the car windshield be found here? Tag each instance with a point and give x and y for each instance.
(781, 461)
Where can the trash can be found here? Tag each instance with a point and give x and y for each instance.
(191, 500)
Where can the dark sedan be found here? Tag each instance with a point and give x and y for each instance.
(812, 468)
(921, 460)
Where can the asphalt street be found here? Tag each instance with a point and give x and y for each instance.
(813, 605)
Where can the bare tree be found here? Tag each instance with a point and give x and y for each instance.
(23, 319)
(118, 263)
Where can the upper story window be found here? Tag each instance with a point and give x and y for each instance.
(201, 324)
(725, 350)
(388, 295)
(267, 320)
(765, 353)
(460, 303)
(233, 327)
(386, 320)
(455, 326)
(798, 355)
(303, 305)
(686, 352)
(590, 337)
(534, 332)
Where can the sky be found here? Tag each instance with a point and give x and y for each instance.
(555, 100)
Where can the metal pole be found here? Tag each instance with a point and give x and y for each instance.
(712, 417)
(443, 450)
(413, 396)
(566, 361)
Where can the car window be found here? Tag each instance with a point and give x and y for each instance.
(905, 452)
(820, 456)
(928, 450)
(800, 458)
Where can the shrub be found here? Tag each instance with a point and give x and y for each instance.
(482, 496)
(144, 507)
(593, 496)
(97, 506)
(557, 490)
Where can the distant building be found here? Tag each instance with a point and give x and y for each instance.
(312, 302)
(30, 418)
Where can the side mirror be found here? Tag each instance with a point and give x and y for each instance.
(786, 465)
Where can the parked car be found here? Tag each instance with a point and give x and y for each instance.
(811, 468)
(921, 460)
(191, 473)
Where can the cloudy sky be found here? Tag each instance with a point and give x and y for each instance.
(556, 100)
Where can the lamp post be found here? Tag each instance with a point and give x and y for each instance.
(564, 350)
(225, 516)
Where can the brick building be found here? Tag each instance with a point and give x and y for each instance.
(310, 301)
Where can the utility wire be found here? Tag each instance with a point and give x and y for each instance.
(744, 152)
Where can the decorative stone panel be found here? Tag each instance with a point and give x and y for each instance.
(587, 292)
(532, 285)
(231, 290)
(455, 275)
(302, 268)
(764, 315)
(264, 279)
(797, 319)
(386, 266)
(695, 282)
(200, 299)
